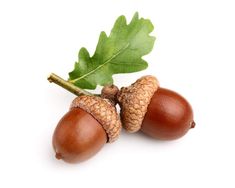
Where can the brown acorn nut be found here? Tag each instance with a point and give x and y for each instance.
(160, 113)
(82, 132)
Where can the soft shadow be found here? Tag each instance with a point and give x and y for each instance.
(142, 137)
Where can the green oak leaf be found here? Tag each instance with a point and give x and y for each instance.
(120, 52)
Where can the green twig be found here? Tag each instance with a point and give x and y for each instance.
(67, 85)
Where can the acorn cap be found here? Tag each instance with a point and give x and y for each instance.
(134, 101)
(103, 111)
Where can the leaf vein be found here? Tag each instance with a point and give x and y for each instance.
(102, 65)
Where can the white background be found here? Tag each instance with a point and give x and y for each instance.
(194, 55)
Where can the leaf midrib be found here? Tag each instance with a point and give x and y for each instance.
(102, 65)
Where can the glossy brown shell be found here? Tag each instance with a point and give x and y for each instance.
(78, 136)
(169, 116)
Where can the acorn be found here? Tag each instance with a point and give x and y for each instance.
(158, 112)
(90, 123)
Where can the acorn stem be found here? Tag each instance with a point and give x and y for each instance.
(67, 85)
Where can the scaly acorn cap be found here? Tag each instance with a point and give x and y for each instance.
(103, 111)
(134, 101)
